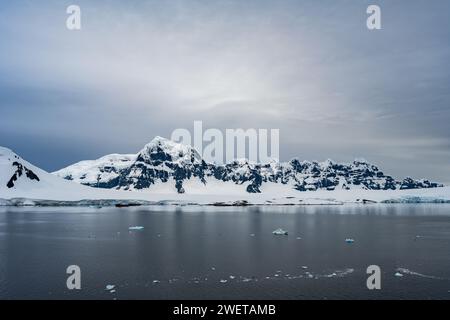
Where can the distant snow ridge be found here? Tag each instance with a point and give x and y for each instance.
(164, 161)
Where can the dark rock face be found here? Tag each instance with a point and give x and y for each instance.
(409, 183)
(19, 172)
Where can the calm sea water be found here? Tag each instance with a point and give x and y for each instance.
(226, 253)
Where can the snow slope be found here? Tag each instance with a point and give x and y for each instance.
(47, 186)
(35, 186)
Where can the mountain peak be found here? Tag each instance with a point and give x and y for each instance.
(163, 149)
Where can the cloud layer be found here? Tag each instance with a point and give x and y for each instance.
(143, 68)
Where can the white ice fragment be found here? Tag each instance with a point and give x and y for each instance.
(156, 281)
(349, 240)
(280, 232)
(110, 287)
(398, 274)
(136, 228)
(232, 277)
(334, 274)
(223, 281)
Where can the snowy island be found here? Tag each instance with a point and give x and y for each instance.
(165, 172)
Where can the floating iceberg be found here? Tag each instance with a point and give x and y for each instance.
(280, 232)
(349, 240)
(136, 228)
(110, 287)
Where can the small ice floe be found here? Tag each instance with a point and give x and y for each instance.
(213, 268)
(195, 280)
(343, 273)
(405, 271)
(280, 232)
(246, 280)
(398, 274)
(112, 291)
(252, 235)
(349, 240)
(110, 287)
(332, 275)
(232, 277)
(304, 267)
(299, 238)
(156, 281)
(223, 281)
(136, 228)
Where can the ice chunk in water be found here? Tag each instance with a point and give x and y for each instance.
(280, 232)
(136, 228)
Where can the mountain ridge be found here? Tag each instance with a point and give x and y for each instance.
(165, 161)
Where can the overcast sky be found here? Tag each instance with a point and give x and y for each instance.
(138, 69)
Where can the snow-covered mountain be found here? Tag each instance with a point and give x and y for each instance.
(19, 178)
(23, 183)
(163, 170)
(165, 162)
